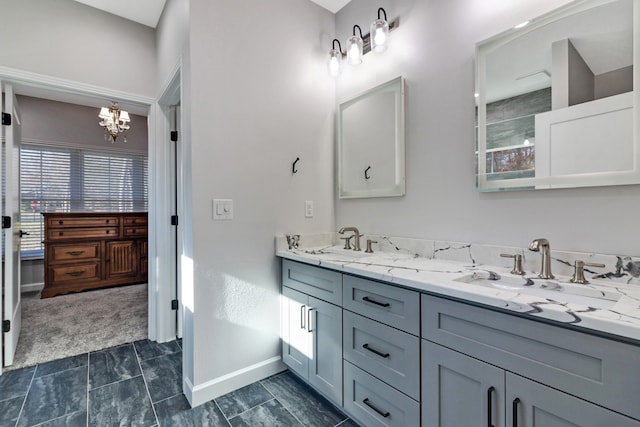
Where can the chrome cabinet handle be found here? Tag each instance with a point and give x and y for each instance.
(302, 324)
(381, 304)
(374, 351)
(309, 329)
(370, 405)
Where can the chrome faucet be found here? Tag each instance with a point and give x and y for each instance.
(542, 246)
(356, 246)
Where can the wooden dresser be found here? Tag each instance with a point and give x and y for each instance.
(90, 250)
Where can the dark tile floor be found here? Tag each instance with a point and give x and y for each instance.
(140, 384)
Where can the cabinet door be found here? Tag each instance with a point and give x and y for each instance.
(458, 390)
(325, 368)
(531, 404)
(296, 340)
(122, 259)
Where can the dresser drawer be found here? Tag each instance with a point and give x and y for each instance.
(103, 221)
(75, 272)
(388, 304)
(602, 371)
(71, 253)
(318, 282)
(83, 233)
(373, 403)
(135, 231)
(388, 354)
(135, 220)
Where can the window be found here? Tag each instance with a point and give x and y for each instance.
(54, 179)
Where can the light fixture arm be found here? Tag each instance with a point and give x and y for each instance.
(333, 46)
(383, 11)
(359, 29)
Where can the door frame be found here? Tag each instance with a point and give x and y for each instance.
(161, 324)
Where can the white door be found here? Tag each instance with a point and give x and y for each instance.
(11, 283)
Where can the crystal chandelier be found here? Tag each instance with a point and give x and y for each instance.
(115, 122)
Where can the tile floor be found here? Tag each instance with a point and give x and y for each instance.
(140, 384)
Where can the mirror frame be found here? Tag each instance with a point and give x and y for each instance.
(396, 188)
(485, 47)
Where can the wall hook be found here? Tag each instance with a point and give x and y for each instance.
(293, 168)
(366, 173)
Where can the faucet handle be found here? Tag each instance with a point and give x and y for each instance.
(347, 242)
(578, 274)
(517, 263)
(369, 242)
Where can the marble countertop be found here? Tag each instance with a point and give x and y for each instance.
(619, 315)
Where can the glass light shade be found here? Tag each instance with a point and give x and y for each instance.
(124, 116)
(379, 35)
(104, 113)
(354, 50)
(335, 62)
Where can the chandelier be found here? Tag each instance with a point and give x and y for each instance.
(115, 122)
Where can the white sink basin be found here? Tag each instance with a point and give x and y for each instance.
(547, 289)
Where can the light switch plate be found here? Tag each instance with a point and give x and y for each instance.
(308, 209)
(222, 209)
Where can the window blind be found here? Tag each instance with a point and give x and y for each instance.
(54, 179)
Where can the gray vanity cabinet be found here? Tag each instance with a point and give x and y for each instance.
(312, 328)
(546, 375)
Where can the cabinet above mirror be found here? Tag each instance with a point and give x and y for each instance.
(556, 105)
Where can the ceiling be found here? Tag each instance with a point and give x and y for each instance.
(147, 12)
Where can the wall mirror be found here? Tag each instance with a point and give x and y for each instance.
(371, 143)
(556, 100)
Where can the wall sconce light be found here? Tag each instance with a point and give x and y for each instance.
(355, 47)
(335, 59)
(115, 122)
(379, 33)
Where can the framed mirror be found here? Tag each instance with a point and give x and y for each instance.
(556, 100)
(371, 143)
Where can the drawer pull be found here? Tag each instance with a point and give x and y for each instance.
(75, 253)
(370, 405)
(490, 406)
(61, 234)
(108, 231)
(60, 222)
(133, 231)
(309, 329)
(75, 273)
(373, 350)
(302, 324)
(381, 304)
(514, 406)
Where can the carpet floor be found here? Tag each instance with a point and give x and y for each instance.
(68, 325)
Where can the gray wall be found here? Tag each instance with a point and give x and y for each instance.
(434, 49)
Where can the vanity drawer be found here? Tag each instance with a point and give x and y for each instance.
(70, 253)
(388, 304)
(373, 403)
(388, 354)
(318, 282)
(593, 368)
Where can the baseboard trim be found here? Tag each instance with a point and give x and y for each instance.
(202, 393)
(31, 287)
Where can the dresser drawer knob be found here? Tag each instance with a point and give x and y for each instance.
(108, 231)
(107, 221)
(75, 273)
(75, 253)
(61, 234)
(60, 222)
(374, 351)
(381, 304)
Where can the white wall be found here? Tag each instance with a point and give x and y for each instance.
(69, 40)
(261, 97)
(434, 49)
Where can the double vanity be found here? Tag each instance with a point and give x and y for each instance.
(435, 333)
